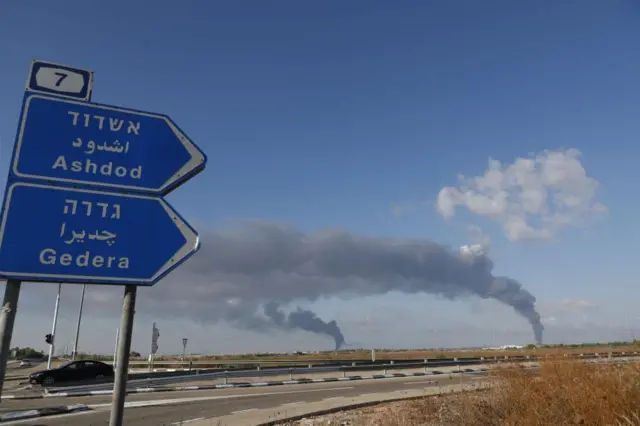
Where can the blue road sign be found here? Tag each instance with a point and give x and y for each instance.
(60, 234)
(60, 80)
(85, 144)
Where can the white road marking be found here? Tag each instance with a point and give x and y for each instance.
(184, 422)
(244, 411)
(21, 422)
(154, 402)
(292, 403)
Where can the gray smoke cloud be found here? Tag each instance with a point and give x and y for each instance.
(304, 319)
(245, 274)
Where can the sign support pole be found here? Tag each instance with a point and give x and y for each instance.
(124, 349)
(7, 319)
(53, 328)
(115, 350)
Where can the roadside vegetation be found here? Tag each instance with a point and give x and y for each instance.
(563, 393)
(385, 354)
(28, 353)
(381, 354)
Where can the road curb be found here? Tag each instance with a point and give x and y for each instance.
(22, 397)
(222, 386)
(43, 412)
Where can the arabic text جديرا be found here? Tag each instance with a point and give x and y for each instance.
(79, 237)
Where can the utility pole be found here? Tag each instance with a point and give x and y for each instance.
(75, 343)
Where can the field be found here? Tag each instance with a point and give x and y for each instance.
(415, 354)
(561, 393)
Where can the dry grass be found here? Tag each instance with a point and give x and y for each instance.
(562, 393)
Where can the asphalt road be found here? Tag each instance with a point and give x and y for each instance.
(182, 406)
(14, 369)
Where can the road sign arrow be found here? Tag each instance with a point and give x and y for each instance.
(67, 141)
(75, 235)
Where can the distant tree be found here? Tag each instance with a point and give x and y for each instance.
(27, 353)
(135, 354)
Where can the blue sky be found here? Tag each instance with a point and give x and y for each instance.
(341, 114)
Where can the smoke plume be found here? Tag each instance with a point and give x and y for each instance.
(245, 274)
(304, 320)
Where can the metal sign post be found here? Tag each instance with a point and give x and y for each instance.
(115, 350)
(7, 318)
(184, 349)
(155, 334)
(101, 171)
(124, 349)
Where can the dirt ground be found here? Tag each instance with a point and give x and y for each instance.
(403, 413)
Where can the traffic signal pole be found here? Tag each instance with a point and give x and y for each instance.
(53, 327)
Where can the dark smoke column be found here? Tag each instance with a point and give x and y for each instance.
(304, 320)
(537, 330)
(504, 289)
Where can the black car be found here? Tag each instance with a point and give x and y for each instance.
(76, 371)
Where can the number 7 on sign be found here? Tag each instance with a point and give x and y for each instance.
(61, 76)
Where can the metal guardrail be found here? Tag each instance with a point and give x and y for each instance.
(228, 374)
(160, 379)
(328, 361)
(339, 363)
